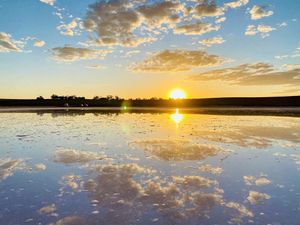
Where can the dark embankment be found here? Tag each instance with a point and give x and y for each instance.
(290, 101)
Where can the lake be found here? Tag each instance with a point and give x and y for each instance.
(161, 167)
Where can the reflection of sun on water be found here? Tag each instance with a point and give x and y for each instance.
(177, 117)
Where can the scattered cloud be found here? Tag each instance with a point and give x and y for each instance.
(176, 61)
(236, 4)
(255, 197)
(220, 20)
(97, 67)
(49, 2)
(212, 41)
(258, 12)
(252, 74)
(198, 28)
(68, 220)
(264, 30)
(131, 53)
(69, 54)
(70, 28)
(208, 8)
(7, 44)
(39, 43)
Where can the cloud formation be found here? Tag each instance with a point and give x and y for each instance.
(236, 4)
(212, 41)
(176, 61)
(69, 54)
(258, 12)
(255, 197)
(208, 8)
(198, 28)
(70, 28)
(7, 44)
(7, 167)
(264, 30)
(49, 2)
(39, 43)
(258, 74)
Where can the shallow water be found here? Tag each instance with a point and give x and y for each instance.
(160, 168)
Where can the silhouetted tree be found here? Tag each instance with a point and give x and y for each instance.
(40, 98)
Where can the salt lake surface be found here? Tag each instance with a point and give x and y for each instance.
(162, 168)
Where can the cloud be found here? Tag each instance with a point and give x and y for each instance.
(220, 20)
(39, 43)
(212, 41)
(7, 44)
(208, 8)
(177, 150)
(236, 4)
(264, 30)
(114, 23)
(69, 156)
(177, 61)
(69, 54)
(49, 2)
(258, 74)
(97, 67)
(70, 28)
(255, 197)
(198, 28)
(258, 12)
(241, 210)
(131, 53)
(160, 13)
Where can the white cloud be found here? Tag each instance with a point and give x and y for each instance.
(236, 4)
(255, 197)
(212, 41)
(258, 12)
(70, 28)
(207, 8)
(7, 44)
(49, 2)
(177, 61)
(198, 28)
(264, 30)
(39, 43)
(69, 54)
(69, 156)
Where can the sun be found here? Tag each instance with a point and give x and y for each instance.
(177, 94)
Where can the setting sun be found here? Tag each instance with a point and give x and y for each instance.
(177, 94)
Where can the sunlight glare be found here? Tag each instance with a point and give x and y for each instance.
(177, 94)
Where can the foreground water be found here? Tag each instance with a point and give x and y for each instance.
(160, 168)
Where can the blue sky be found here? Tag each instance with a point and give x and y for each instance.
(73, 58)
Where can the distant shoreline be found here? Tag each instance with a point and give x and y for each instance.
(281, 102)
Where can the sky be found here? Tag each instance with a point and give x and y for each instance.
(144, 49)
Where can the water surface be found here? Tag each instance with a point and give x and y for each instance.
(149, 167)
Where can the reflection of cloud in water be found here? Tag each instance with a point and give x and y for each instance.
(261, 181)
(241, 212)
(251, 136)
(255, 197)
(8, 166)
(122, 194)
(210, 169)
(177, 149)
(40, 166)
(47, 209)
(69, 156)
(71, 220)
